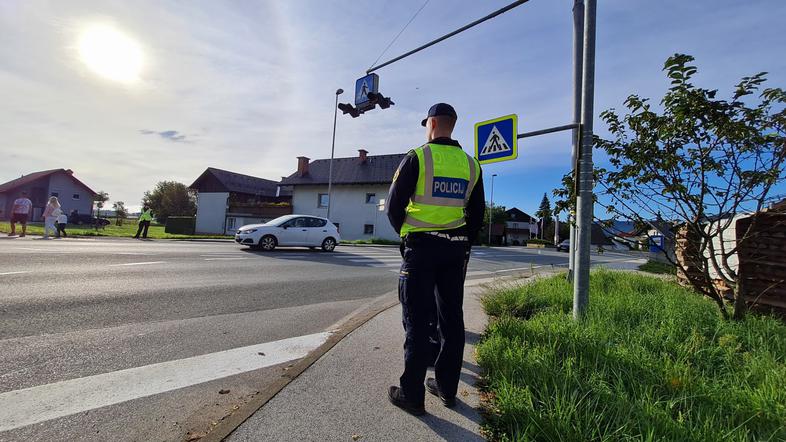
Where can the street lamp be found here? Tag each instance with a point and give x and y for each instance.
(491, 209)
(332, 153)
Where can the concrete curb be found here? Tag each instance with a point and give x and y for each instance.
(340, 330)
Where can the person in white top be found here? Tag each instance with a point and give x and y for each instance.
(62, 220)
(51, 212)
(20, 213)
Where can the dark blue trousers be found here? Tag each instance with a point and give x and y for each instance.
(429, 264)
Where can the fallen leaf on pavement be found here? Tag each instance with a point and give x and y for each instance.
(223, 391)
(356, 436)
(261, 354)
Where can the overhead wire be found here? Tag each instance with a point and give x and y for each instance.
(399, 33)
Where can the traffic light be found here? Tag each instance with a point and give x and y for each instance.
(347, 108)
(377, 98)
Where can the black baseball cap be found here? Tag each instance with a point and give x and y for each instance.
(438, 110)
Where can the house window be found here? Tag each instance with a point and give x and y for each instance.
(322, 200)
(230, 223)
(55, 194)
(368, 229)
(75, 196)
(515, 225)
(371, 198)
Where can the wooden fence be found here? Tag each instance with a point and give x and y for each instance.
(760, 261)
(762, 257)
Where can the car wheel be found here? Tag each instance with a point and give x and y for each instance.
(268, 243)
(329, 244)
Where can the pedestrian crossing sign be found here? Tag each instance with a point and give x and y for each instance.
(495, 140)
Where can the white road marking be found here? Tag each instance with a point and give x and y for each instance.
(16, 273)
(45, 402)
(137, 263)
(134, 253)
(226, 259)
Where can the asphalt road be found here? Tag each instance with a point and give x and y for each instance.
(115, 339)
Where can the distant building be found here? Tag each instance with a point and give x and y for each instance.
(359, 185)
(228, 200)
(520, 227)
(72, 193)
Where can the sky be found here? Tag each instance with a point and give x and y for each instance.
(248, 86)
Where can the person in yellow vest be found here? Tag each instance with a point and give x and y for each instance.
(144, 222)
(436, 204)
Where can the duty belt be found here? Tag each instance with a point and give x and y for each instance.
(448, 237)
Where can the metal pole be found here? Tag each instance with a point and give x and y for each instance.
(584, 201)
(332, 153)
(578, 42)
(491, 209)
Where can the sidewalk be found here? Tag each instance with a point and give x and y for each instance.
(343, 396)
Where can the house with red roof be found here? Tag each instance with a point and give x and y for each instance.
(72, 193)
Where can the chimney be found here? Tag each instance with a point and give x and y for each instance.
(69, 171)
(363, 154)
(302, 166)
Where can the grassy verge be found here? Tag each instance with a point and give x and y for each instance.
(657, 267)
(652, 361)
(128, 229)
(371, 241)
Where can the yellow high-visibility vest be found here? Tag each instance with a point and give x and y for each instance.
(146, 215)
(446, 178)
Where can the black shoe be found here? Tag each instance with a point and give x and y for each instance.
(431, 386)
(396, 397)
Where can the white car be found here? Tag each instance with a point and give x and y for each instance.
(290, 230)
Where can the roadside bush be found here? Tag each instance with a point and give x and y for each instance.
(545, 242)
(651, 361)
(657, 267)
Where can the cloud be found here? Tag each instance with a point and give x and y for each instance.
(171, 135)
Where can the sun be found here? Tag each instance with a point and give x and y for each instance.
(110, 53)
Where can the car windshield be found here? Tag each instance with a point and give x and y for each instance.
(280, 220)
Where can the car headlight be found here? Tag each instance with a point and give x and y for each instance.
(247, 231)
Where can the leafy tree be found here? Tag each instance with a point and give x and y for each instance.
(498, 216)
(695, 161)
(544, 213)
(170, 198)
(99, 199)
(120, 212)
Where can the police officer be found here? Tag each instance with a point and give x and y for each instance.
(436, 204)
(144, 222)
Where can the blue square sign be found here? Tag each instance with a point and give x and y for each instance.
(495, 140)
(364, 85)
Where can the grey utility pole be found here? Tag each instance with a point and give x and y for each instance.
(578, 59)
(491, 209)
(332, 153)
(584, 201)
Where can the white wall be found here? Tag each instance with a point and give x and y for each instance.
(66, 189)
(211, 210)
(724, 239)
(349, 209)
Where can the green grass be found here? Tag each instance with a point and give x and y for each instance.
(371, 241)
(658, 267)
(651, 361)
(128, 229)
